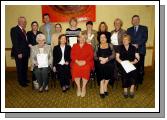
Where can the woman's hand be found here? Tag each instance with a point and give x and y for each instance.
(66, 63)
(80, 62)
(54, 69)
(30, 45)
(103, 60)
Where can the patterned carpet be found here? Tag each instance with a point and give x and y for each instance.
(19, 97)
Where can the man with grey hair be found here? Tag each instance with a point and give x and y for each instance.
(20, 50)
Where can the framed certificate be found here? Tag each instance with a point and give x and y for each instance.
(72, 40)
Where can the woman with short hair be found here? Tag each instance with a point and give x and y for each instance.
(41, 72)
(129, 53)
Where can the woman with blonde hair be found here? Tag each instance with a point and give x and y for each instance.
(82, 63)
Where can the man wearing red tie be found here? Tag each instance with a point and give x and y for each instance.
(20, 50)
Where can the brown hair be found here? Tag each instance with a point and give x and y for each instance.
(105, 26)
(126, 36)
(73, 19)
(60, 36)
(58, 24)
(135, 16)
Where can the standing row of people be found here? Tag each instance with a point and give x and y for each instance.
(101, 49)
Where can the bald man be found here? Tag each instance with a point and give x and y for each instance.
(20, 50)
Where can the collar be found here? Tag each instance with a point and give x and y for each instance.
(20, 27)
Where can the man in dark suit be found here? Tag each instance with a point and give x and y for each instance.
(139, 36)
(20, 50)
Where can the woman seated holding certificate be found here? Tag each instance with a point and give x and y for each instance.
(127, 57)
(41, 55)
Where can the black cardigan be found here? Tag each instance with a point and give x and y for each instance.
(57, 54)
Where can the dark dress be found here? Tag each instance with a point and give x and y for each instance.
(128, 79)
(105, 71)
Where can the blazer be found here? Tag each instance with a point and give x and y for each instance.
(44, 31)
(19, 42)
(121, 32)
(35, 51)
(94, 41)
(57, 54)
(140, 37)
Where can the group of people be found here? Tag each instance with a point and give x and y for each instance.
(95, 51)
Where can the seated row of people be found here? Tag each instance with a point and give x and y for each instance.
(78, 62)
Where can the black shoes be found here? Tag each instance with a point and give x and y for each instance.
(23, 85)
(102, 95)
(125, 95)
(106, 93)
(131, 95)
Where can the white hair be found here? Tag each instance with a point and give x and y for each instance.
(21, 17)
(41, 36)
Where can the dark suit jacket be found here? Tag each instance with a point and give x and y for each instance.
(57, 54)
(139, 38)
(19, 42)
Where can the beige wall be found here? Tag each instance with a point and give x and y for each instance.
(103, 13)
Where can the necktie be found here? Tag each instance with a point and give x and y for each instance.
(24, 31)
(135, 28)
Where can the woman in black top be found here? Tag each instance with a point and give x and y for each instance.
(61, 62)
(130, 53)
(103, 29)
(104, 56)
(31, 37)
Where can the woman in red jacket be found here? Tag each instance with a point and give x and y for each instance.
(82, 63)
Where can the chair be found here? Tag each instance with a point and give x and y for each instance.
(52, 76)
(92, 78)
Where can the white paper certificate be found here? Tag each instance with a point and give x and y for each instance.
(128, 67)
(72, 41)
(42, 60)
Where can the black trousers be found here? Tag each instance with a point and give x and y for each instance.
(33, 76)
(140, 69)
(63, 74)
(22, 68)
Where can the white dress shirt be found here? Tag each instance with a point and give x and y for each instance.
(41, 50)
(62, 62)
(114, 38)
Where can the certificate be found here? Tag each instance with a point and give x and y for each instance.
(42, 60)
(128, 67)
(72, 41)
